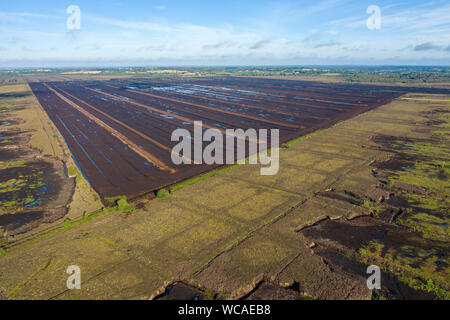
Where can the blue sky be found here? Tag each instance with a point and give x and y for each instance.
(231, 32)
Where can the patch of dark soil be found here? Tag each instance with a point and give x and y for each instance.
(7, 110)
(352, 234)
(441, 265)
(8, 123)
(398, 201)
(413, 206)
(390, 214)
(397, 145)
(379, 193)
(397, 290)
(37, 180)
(268, 291)
(13, 138)
(397, 205)
(394, 163)
(32, 182)
(14, 95)
(27, 169)
(8, 154)
(337, 240)
(409, 188)
(432, 123)
(442, 175)
(346, 197)
(140, 206)
(181, 291)
(22, 222)
(435, 111)
(394, 289)
(381, 174)
(359, 231)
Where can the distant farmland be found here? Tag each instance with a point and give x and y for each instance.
(119, 131)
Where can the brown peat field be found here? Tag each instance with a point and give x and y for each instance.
(120, 131)
(363, 179)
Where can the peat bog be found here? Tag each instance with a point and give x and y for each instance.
(110, 125)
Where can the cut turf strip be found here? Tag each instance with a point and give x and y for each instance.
(243, 105)
(170, 114)
(121, 137)
(157, 162)
(125, 125)
(217, 109)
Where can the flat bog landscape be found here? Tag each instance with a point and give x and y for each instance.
(119, 131)
(225, 151)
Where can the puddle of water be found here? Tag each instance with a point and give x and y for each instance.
(440, 264)
(397, 214)
(43, 190)
(34, 203)
(181, 291)
(219, 125)
(442, 224)
(377, 235)
(440, 255)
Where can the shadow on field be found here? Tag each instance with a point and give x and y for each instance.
(14, 95)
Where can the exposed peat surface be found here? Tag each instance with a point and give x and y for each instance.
(334, 240)
(373, 190)
(181, 291)
(263, 290)
(407, 232)
(34, 188)
(119, 131)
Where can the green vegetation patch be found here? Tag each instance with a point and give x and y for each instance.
(162, 194)
(124, 206)
(427, 286)
(12, 164)
(428, 211)
(121, 203)
(23, 190)
(74, 172)
(423, 269)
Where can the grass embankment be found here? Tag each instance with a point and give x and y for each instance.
(121, 203)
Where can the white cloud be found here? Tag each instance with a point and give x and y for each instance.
(20, 16)
(136, 25)
(281, 35)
